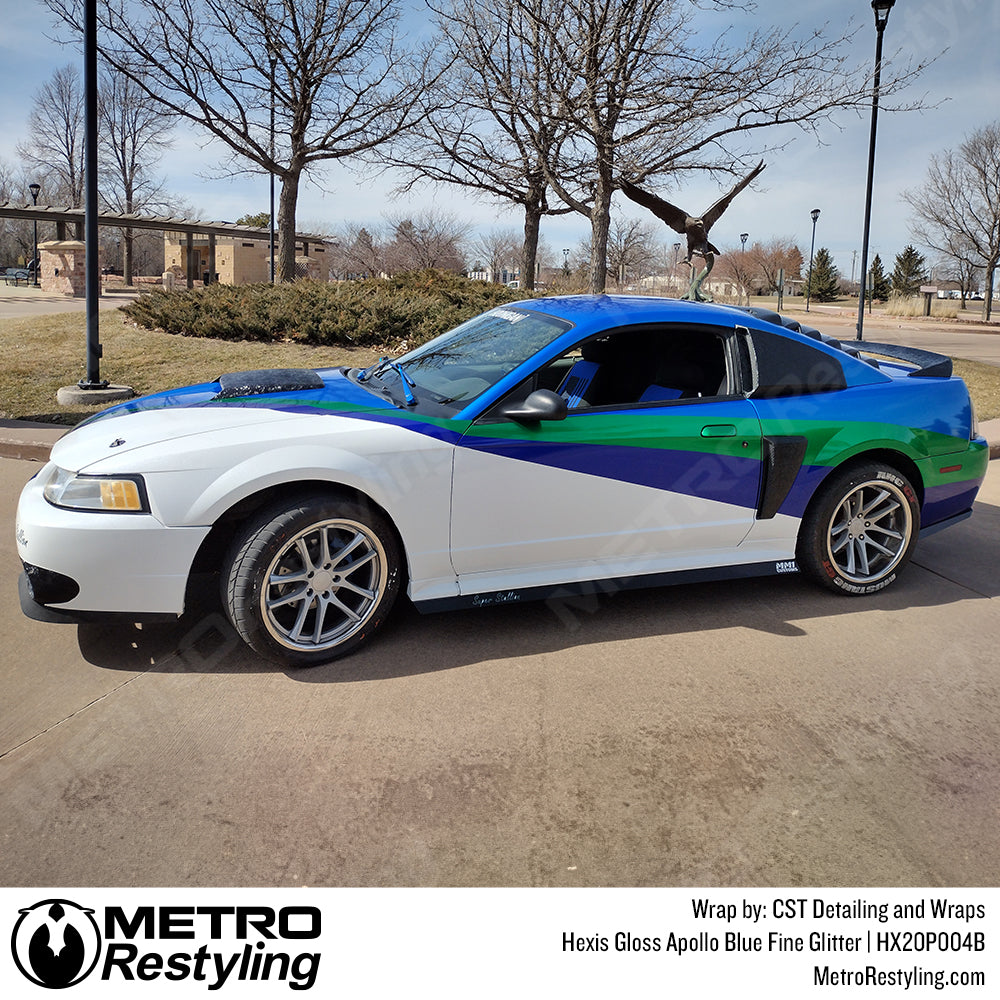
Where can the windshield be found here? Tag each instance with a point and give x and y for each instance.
(459, 365)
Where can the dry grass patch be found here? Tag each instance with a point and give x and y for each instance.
(984, 386)
(44, 353)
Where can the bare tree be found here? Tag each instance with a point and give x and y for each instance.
(633, 250)
(957, 208)
(55, 136)
(359, 251)
(497, 250)
(741, 268)
(770, 258)
(638, 92)
(430, 239)
(473, 135)
(957, 269)
(341, 85)
(133, 134)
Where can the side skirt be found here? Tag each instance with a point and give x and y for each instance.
(608, 586)
(933, 529)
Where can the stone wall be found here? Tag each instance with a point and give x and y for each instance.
(63, 269)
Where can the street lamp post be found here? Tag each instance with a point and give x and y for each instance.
(272, 58)
(34, 189)
(881, 9)
(673, 270)
(743, 252)
(814, 215)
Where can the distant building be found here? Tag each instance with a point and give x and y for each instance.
(239, 261)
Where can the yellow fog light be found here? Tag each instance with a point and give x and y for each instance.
(120, 494)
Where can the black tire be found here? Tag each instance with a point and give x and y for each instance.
(307, 583)
(860, 529)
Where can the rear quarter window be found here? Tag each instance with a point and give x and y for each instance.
(782, 366)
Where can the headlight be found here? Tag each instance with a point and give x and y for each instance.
(124, 494)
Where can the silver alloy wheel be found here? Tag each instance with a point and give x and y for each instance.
(324, 585)
(869, 531)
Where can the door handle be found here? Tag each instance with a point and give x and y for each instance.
(718, 431)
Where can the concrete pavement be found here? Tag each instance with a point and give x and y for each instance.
(19, 301)
(735, 733)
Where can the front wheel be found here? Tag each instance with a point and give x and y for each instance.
(860, 530)
(308, 583)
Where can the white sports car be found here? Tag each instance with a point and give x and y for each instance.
(552, 445)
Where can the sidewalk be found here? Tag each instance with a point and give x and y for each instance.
(32, 441)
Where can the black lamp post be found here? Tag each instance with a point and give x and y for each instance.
(743, 251)
(814, 215)
(34, 189)
(881, 9)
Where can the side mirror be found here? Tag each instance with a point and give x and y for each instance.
(542, 404)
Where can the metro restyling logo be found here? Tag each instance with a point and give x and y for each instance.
(57, 943)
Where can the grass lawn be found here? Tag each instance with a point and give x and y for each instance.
(44, 353)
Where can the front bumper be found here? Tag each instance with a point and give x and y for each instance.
(119, 563)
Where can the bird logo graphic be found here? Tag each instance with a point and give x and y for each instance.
(56, 943)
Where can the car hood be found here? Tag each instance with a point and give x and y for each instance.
(238, 401)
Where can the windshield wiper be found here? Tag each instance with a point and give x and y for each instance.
(373, 371)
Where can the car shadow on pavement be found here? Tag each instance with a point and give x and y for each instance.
(956, 565)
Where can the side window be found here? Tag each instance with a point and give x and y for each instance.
(644, 365)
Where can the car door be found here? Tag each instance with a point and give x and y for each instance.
(652, 483)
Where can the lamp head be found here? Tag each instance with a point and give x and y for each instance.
(882, 8)
(814, 215)
(34, 189)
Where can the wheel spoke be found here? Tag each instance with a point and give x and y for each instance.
(278, 602)
(357, 540)
(865, 511)
(863, 556)
(321, 605)
(324, 547)
(880, 548)
(296, 631)
(368, 595)
(352, 615)
(303, 551)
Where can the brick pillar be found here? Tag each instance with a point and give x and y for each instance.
(63, 269)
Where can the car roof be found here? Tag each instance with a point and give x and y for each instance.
(580, 309)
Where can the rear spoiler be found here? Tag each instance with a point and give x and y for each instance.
(927, 363)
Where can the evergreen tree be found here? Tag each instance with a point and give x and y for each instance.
(910, 272)
(823, 283)
(879, 284)
(259, 220)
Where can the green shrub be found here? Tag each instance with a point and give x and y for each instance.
(394, 313)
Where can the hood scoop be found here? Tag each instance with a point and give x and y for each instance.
(266, 380)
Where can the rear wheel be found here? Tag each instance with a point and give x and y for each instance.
(308, 583)
(860, 530)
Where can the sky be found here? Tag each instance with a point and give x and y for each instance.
(959, 91)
